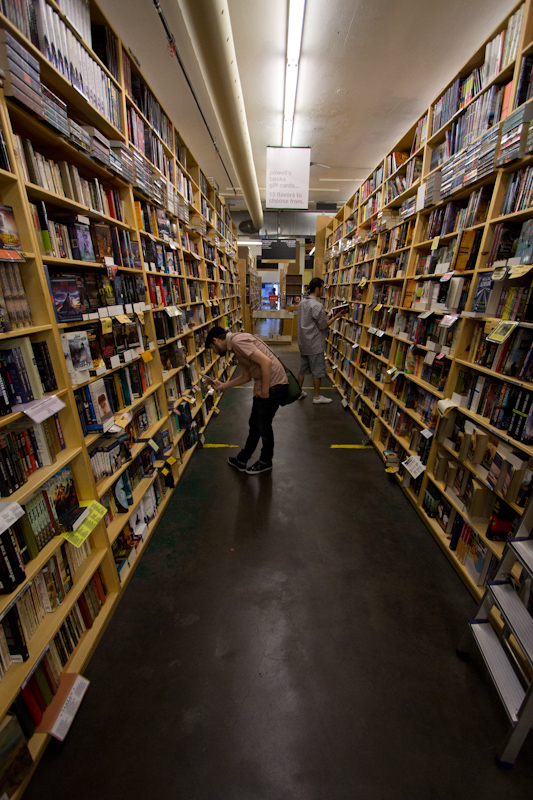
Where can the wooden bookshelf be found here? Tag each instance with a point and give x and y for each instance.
(196, 262)
(250, 286)
(390, 358)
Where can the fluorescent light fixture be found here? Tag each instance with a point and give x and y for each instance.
(295, 28)
(294, 44)
(312, 252)
(250, 241)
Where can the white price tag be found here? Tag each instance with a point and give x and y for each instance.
(426, 433)
(70, 708)
(414, 466)
(9, 514)
(448, 320)
(39, 410)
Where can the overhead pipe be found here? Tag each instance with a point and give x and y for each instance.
(209, 27)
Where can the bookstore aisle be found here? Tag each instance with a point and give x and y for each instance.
(289, 636)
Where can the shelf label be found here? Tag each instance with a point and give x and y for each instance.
(123, 419)
(426, 433)
(9, 514)
(172, 311)
(123, 319)
(430, 357)
(435, 243)
(140, 316)
(147, 356)
(96, 513)
(70, 708)
(107, 324)
(414, 466)
(448, 320)
(114, 361)
(519, 270)
(39, 410)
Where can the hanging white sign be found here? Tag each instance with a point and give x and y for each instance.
(287, 177)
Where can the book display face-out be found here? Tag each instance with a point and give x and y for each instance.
(434, 254)
(116, 256)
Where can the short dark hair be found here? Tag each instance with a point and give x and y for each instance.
(215, 333)
(315, 283)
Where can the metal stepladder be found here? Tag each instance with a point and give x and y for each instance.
(514, 685)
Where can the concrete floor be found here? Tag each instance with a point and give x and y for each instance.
(289, 636)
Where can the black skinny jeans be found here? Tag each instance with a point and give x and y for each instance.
(260, 422)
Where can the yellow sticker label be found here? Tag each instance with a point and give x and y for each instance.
(146, 356)
(164, 471)
(96, 513)
(107, 324)
(171, 460)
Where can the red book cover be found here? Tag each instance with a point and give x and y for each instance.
(84, 610)
(34, 686)
(50, 512)
(31, 704)
(97, 583)
(151, 291)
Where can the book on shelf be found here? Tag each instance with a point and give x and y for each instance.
(15, 757)
(77, 352)
(20, 379)
(10, 244)
(67, 297)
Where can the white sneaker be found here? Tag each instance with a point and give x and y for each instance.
(303, 394)
(321, 400)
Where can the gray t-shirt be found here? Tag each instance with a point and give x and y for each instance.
(312, 326)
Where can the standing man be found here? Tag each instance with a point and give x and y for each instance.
(313, 323)
(259, 363)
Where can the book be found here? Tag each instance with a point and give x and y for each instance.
(482, 294)
(16, 762)
(344, 308)
(66, 297)
(81, 241)
(10, 244)
(77, 353)
(100, 402)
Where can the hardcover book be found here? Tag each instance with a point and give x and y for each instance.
(68, 305)
(81, 242)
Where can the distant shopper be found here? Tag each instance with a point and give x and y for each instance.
(259, 363)
(313, 323)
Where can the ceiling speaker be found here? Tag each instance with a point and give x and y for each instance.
(247, 226)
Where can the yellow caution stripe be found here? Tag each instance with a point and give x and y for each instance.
(221, 445)
(352, 447)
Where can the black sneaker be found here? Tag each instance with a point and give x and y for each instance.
(234, 462)
(258, 467)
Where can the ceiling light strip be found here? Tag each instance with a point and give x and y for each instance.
(294, 44)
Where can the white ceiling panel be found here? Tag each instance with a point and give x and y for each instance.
(368, 69)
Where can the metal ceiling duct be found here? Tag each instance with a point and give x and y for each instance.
(209, 27)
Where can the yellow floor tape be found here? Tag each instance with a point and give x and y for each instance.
(351, 447)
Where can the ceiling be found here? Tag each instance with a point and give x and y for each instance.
(368, 69)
